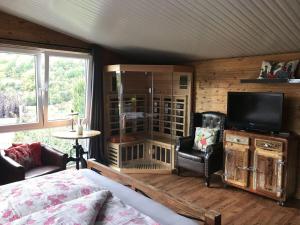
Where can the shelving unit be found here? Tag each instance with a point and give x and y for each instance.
(149, 107)
(169, 118)
(132, 103)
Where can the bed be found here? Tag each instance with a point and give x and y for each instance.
(79, 198)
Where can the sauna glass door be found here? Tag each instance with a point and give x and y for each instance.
(162, 120)
(236, 161)
(268, 172)
(133, 92)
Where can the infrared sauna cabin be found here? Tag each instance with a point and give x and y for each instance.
(147, 108)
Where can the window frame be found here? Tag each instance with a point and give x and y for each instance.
(42, 88)
(26, 126)
(88, 94)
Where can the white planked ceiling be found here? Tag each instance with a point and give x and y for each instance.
(191, 29)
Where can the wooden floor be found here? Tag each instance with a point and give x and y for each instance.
(237, 207)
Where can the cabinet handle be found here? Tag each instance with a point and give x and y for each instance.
(247, 168)
(266, 145)
(242, 167)
(281, 162)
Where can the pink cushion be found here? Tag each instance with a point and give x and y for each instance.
(36, 150)
(21, 154)
(27, 155)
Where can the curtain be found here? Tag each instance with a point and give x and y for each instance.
(96, 146)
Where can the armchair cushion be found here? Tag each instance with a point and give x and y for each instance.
(204, 137)
(41, 170)
(21, 154)
(194, 155)
(28, 155)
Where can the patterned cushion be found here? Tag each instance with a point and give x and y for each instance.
(277, 70)
(28, 156)
(204, 136)
(36, 151)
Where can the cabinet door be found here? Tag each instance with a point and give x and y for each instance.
(268, 172)
(236, 164)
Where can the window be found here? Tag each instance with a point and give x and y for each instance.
(18, 96)
(39, 89)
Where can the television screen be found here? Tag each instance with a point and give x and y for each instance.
(255, 110)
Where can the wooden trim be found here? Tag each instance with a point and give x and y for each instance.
(148, 68)
(206, 217)
(153, 171)
(44, 45)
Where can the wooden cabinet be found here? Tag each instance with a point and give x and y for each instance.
(236, 161)
(262, 164)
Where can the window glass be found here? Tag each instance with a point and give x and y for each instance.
(18, 89)
(67, 87)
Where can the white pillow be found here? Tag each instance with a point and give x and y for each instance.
(204, 136)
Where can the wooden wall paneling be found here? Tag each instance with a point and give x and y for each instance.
(14, 30)
(214, 78)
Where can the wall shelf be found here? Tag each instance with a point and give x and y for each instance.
(271, 81)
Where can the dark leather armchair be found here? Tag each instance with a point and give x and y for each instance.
(206, 162)
(52, 161)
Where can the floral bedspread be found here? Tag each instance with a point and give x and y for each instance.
(65, 198)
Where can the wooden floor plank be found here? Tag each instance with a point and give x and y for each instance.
(237, 207)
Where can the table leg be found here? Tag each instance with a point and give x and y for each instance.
(79, 156)
(77, 148)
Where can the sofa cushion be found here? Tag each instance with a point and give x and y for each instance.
(41, 170)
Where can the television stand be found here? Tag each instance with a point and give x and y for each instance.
(261, 163)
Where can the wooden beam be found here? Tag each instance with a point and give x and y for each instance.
(206, 217)
(148, 68)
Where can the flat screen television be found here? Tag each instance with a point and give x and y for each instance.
(261, 111)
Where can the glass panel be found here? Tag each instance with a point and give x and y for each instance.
(135, 151)
(163, 119)
(67, 87)
(129, 153)
(133, 92)
(18, 89)
(141, 151)
(168, 156)
(142, 113)
(163, 154)
(158, 153)
(153, 151)
(123, 153)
